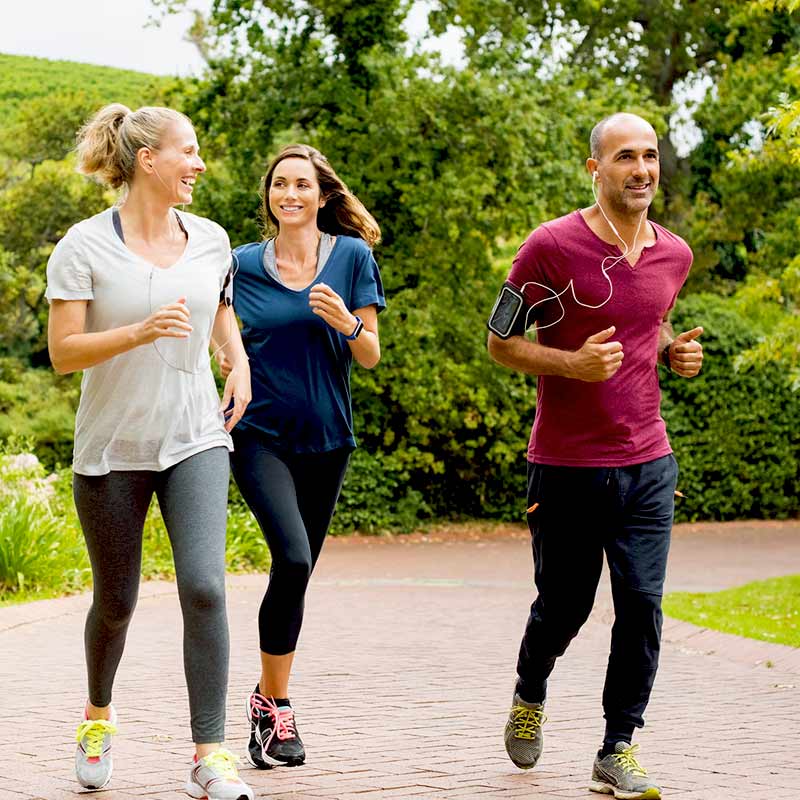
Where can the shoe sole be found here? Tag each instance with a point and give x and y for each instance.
(268, 762)
(198, 792)
(619, 794)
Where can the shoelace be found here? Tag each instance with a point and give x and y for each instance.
(94, 731)
(527, 721)
(627, 760)
(223, 762)
(282, 718)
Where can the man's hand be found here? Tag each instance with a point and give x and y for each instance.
(598, 359)
(686, 354)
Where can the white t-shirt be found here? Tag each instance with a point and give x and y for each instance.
(157, 404)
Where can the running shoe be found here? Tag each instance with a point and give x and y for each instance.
(620, 774)
(523, 732)
(215, 777)
(274, 740)
(93, 762)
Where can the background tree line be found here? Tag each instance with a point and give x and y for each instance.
(458, 164)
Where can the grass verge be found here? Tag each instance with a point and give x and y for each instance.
(768, 610)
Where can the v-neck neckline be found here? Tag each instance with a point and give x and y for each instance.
(317, 277)
(121, 243)
(616, 247)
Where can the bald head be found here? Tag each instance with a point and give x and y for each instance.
(621, 120)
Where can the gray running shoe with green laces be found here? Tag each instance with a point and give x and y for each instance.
(620, 774)
(93, 763)
(523, 733)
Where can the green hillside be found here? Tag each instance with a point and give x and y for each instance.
(25, 77)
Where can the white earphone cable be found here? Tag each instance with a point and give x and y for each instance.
(606, 265)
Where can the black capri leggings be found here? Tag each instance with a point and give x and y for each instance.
(293, 497)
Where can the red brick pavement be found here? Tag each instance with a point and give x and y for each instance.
(403, 678)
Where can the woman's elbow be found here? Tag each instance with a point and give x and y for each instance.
(59, 363)
(370, 360)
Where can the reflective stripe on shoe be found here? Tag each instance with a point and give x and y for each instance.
(621, 774)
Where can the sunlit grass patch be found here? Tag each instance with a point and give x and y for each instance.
(768, 610)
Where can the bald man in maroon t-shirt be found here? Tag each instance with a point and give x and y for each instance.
(598, 284)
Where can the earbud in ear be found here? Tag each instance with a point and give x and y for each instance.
(595, 175)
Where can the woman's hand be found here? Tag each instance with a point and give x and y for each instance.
(327, 304)
(171, 320)
(237, 388)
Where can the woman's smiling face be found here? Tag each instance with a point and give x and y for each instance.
(294, 194)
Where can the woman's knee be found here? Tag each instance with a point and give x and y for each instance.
(114, 613)
(293, 569)
(203, 596)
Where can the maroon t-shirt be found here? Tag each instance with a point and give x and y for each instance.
(617, 422)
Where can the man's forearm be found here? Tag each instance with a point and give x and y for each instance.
(523, 355)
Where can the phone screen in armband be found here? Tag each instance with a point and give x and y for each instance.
(505, 312)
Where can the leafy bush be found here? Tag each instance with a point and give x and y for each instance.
(38, 406)
(37, 550)
(734, 432)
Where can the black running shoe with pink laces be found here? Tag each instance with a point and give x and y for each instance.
(274, 740)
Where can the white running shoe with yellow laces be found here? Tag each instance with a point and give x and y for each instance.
(93, 762)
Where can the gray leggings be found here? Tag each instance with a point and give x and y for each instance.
(192, 496)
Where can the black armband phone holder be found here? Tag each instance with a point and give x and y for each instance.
(507, 308)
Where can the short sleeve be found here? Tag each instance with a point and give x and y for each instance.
(367, 285)
(529, 273)
(69, 273)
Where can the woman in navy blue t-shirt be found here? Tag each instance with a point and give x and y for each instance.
(308, 301)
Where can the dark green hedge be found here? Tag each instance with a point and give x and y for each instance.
(443, 430)
(735, 434)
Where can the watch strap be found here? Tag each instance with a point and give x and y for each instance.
(665, 357)
(357, 332)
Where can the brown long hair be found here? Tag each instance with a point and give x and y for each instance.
(343, 213)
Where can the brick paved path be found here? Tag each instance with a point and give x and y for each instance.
(403, 678)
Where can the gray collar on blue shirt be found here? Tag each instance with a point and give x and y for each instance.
(323, 252)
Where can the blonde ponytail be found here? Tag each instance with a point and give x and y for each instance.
(109, 141)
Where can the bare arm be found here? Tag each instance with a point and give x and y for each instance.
(596, 360)
(233, 363)
(71, 349)
(367, 348)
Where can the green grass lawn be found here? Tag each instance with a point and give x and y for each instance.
(767, 610)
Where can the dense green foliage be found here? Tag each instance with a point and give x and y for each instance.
(458, 165)
(767, 610)
(41, 545)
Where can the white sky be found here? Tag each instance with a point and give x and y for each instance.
(107, 32)
(114, 33)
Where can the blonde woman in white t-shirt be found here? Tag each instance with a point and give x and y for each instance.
(136, 292)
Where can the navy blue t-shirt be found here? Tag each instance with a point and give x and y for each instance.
(300, 365)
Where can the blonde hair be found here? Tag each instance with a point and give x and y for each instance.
(343, 213)
(109, 141)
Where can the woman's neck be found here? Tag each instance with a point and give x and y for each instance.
(148, 217)
(297, 246)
